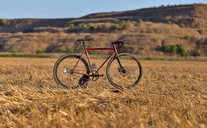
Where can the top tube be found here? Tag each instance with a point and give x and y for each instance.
(99, 48)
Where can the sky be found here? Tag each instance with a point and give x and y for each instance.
(10, 9)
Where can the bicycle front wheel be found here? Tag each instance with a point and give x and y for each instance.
(63, 67)
(127, 77)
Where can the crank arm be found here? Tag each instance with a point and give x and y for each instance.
(97, 75)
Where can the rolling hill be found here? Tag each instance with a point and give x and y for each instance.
(160, 26)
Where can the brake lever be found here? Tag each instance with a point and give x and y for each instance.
(120, 45)
(126, 42)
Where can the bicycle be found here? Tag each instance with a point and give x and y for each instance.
(123, 70)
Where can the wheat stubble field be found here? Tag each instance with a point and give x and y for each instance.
(170, 94)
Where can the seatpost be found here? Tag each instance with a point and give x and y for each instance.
(84, 44)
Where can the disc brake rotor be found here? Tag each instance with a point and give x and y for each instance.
(124, 71)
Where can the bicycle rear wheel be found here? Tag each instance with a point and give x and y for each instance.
(64, 65)
(127, 77)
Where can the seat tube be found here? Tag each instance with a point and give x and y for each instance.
(86, 51)
(115, 49)
(84, 44)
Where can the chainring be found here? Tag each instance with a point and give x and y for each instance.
(94, 75)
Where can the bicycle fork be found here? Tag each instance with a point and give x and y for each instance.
(121, 68)
(119, 62)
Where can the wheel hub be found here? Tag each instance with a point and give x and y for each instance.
(124, 71)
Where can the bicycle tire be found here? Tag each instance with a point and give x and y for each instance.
(68, 83)
(120, 79)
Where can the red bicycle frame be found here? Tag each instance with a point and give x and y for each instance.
(86, 51)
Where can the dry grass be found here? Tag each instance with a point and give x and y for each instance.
(170, 94)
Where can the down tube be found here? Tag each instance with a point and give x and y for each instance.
(105, 61)
(86, 50)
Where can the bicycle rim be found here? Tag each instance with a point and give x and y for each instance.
(127, 77)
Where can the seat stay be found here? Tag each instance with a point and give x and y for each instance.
(78, 61)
